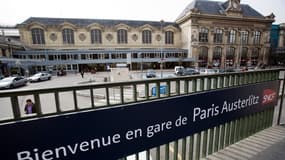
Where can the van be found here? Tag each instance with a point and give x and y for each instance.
(178, 70)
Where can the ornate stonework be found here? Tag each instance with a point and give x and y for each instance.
(53, 37)
(135, 37)
(82, 36)
(158, 37)
(109, 37)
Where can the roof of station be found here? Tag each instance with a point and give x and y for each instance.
(218, 8)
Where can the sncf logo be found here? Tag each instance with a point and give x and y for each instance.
(268, 96)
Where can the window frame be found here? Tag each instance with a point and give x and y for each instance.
(169, 37)
(232, 36)
(256, 37)
(146, 37)
(203, 34)
(38, 36)
(122, 36)
(218, 36)
(67, 36)
(96, 36)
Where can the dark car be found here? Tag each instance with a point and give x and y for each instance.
(150, 74)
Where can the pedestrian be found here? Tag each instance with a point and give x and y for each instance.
(30, 107)
(82, 74)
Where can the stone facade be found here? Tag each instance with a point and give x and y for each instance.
(206, 34)
(196, 18)
(82, 36)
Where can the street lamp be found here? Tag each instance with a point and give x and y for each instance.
(18, 65)
(241, 50)
(161, 54)
(141, 58)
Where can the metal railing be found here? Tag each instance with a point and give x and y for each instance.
(53, 101)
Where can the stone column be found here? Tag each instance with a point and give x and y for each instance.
(281, 38)
(210, 56)
(223, 60)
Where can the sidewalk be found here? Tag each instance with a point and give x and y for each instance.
(268, 144)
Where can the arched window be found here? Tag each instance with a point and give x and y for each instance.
(38, 36)
(67, 36)
(230, 55)
(203, 35)
(217, 56)
(122, 36)
(203, 56)
(254, 56)
(256, 37)
(218, 36)
(232, 37)
(96, 36)
(169, 37)
(146, 36)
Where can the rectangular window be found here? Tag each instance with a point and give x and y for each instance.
(232, 37)
(203, 35)
(218, 36)
(244, 37)
(256, 37)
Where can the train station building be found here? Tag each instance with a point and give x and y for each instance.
(206, 34)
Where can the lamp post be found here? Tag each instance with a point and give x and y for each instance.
(161, 54)
(18, 65)
(240, 52)
(141, 58)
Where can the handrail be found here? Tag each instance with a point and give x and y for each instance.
(122, 93)
(225, 80)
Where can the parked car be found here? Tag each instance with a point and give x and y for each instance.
(207, 71)
(61, 73)
(150, 74)
(178, 70)
(12, 82)
(39, 77)
(189, 71)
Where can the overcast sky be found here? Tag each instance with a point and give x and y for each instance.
(16, 11)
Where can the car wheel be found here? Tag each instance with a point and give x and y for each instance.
(49, 78)
(11, 86)
(39, 80)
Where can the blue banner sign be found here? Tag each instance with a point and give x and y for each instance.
(109, 134)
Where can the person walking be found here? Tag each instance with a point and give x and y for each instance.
(82, 73)
(30, 107)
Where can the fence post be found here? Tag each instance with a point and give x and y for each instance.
(281, 101)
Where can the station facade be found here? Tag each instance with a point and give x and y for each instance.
(206, 34)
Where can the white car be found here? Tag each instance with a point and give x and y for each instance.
(12, 82)
(39, 77)
(178, 70)
(207, 71)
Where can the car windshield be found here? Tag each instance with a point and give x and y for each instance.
(7, 79)
(189, 69)
(37, 75)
